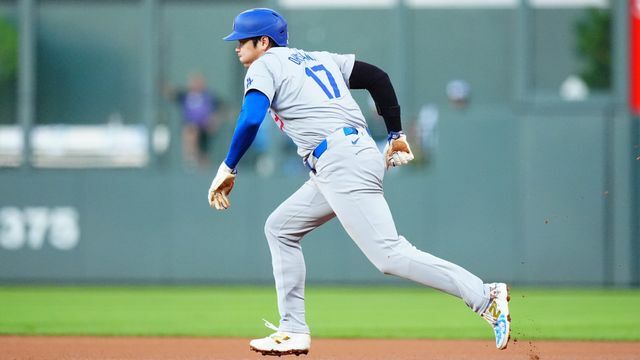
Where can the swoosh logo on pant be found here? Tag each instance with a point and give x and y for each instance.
(355, 141)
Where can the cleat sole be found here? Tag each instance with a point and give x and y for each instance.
(296, 352)
(508, 320)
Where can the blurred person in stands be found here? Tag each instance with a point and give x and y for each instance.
(426, 132)
(459, 94)
(199, 109)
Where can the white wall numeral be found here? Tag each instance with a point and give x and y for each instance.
(64, 229)
(12, 229)
(32, 227)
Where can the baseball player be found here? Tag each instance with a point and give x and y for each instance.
(307, 94)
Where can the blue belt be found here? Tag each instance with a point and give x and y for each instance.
(322, 147)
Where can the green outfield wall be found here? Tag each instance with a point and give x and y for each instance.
(523, 186)
(524, 207)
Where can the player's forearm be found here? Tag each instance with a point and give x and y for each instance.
(254, 109)
(377, 82)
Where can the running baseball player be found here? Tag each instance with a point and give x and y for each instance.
(307, 94)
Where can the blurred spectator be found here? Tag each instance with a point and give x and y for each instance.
(259, 153)
(199, 109)
(573, 88)
(459, 93)
(426, 132)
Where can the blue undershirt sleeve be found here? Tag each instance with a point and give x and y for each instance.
(253, 111)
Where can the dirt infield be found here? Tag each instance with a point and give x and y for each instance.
(90, 348)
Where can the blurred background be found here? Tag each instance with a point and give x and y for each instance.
(115, 114)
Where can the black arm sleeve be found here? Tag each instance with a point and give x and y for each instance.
(377, 82)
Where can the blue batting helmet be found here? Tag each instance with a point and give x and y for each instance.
(260, 22)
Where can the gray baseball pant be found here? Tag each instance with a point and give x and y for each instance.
(348, 185)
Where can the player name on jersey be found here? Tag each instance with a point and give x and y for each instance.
(299, 57)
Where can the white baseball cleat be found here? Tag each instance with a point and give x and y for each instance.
(497, 313)
(281, 343)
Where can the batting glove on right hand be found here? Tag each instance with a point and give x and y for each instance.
(397, 151)
(221, 186)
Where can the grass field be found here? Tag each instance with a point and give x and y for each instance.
(334, 312)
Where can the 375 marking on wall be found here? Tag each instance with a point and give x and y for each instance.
(33, 227)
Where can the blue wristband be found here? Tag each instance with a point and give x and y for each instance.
(395, 135)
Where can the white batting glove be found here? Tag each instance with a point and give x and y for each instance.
(221, 186)
(397, 151)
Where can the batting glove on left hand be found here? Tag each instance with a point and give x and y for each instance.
(397, 151)
(221, 186)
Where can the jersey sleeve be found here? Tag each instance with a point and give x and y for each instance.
(263, 75)
(345, 63)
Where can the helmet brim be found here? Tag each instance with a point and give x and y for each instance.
(237, 36)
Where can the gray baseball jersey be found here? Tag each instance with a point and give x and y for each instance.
(308, 91)
(311, 102)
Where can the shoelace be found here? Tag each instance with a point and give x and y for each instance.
(492, 313)
(270, 325)
(277, 336)
(493, 292)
